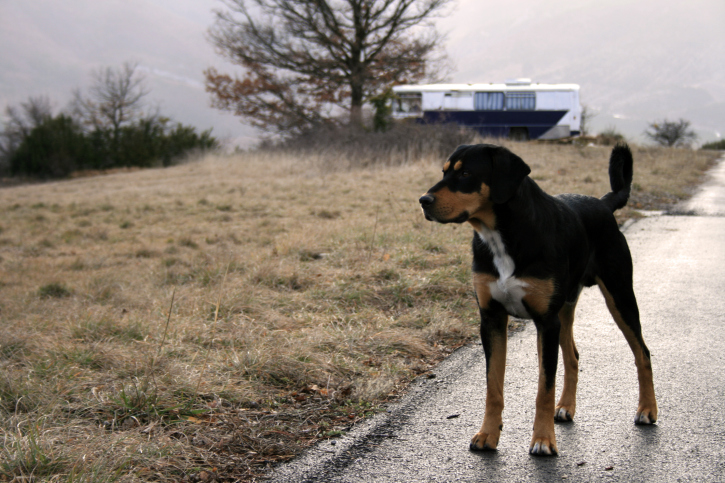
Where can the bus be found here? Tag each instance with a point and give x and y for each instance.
(517, 109)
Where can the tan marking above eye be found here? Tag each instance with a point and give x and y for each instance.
(458, 165)
(446, 166)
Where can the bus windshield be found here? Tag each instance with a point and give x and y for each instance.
(409, 103)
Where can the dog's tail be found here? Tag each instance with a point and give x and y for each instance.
(620, 177)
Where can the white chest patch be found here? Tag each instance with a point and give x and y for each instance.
(507, 290)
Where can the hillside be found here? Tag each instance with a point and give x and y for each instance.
(215, 317)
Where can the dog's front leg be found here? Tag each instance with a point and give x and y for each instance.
(543, 441)
(494, 325)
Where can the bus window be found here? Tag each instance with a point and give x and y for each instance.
(488, 101)
(521, 101)
(408, 103)
(458, 101)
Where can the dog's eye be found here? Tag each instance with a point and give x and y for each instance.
(465, 174)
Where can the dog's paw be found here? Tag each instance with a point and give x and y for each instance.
(484, 442)
(562, 414)
(543, 447)
(645, 416)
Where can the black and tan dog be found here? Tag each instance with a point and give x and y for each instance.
(532, 254)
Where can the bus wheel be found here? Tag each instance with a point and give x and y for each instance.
(519, 134)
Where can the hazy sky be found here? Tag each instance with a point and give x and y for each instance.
(636, 61)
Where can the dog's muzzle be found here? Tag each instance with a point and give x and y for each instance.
(426, 201)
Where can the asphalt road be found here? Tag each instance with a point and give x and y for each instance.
(679, 279)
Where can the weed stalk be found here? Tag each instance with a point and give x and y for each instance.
(372, 240)
(213, 330)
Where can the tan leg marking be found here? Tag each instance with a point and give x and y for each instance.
(566, 407)
(487, 437)
(490, 432)
(647, 408)
(543, 441)
(538, 294)
(481, 284)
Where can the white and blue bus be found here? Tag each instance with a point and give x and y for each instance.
(517, 109)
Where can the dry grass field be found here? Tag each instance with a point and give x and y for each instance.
(201, 322)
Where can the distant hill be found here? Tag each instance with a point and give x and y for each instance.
(636, 60)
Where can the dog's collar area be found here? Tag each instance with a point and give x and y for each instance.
(479, 225)
(507, 290)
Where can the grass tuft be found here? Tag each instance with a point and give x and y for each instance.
(55, 290)
(107, 329)
(27, 457)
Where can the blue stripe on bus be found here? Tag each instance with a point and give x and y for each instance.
(498, 123)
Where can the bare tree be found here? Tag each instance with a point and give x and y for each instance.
(22, 120)
(587, 115)
(671, 133)
(114, 98)
(306, 59)
(113, 102)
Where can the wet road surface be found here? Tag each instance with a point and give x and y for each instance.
(679, 279)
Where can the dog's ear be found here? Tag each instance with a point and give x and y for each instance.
(507, 174)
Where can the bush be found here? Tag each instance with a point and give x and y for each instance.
(671, 133)
(382, 104)
(610, 137)
(183, 139)
(54, 290)
(58, 146)
(53, 149)
(719, 145)
(402, 143)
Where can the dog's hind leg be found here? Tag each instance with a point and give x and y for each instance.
(566, 407)
(619, 295)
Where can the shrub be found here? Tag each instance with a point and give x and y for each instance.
(58, 146)
(54, 290)
(403, 142)
(719, 145)
(152, 141)
(183, 139)
(610, 136)
(53, 149)
(671, 133)
(383, 110)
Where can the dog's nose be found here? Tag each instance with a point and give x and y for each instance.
(426, 200)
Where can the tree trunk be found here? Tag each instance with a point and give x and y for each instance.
(356, 97)
(356, 116)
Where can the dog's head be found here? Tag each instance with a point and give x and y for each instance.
(475, 178)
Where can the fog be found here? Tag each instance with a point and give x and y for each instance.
(636, 61)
